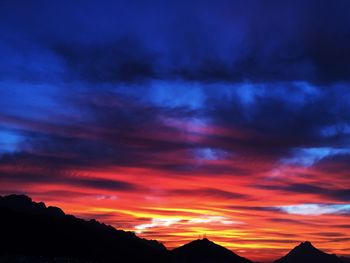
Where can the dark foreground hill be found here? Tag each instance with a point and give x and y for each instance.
(41, 233)
(306, 253)
(345, 259)
(205, 251)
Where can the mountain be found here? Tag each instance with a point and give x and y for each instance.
(34, 231)
(305, 252)
(345, 259)
(205, 251)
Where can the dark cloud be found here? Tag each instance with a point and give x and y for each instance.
(120, 61)
(343, 226)
(329, 234)
(106, 184)
(123, 42)
(120, 133)
(74, 180)
(291, 221)
(114, 127)
(208, 192)
(272, 241)
(344, 239)
(341, 195)
(253, 208)
(277, 119)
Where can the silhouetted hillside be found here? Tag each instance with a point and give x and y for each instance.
(205, 251)
(306, 253)
(41, 233)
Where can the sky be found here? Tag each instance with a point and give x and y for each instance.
(183, 119)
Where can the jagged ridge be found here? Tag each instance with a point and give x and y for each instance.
(29, 228)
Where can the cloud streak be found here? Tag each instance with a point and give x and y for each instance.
(315, 209)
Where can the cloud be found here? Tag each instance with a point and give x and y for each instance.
(168, 222)
(315, 209)
(213, 219)
(206, 192)
(80, 181)
(329, 193)
(9, 141)
(309, 156)
(224, 133)
(260, 43)
(209, 154)
(156, 222)
(100, 183)
(124, 60)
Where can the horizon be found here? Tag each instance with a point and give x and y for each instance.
(179, 119)
(305, 244)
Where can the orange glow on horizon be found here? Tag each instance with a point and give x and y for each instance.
(230, 211)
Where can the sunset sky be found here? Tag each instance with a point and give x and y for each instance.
(180, 119)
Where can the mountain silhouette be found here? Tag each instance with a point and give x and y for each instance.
(33, 233)
(305, 252)
(36, 231)
(205, 251)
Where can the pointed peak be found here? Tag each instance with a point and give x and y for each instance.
(306, 244)
(306, 252)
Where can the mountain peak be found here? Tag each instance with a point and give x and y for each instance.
(305, 252)
(204, 250)
(200, 244)
(306, 245)
(203, 241)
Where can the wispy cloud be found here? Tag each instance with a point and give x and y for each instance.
(315, 209)
(310, 156)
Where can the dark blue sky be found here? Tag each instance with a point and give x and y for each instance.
(256, 92)
(206, 41)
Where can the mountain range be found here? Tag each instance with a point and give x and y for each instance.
(32, 232)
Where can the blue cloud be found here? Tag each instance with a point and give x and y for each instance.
(177, 94)
(336, 129)
(310, 156)
(315, 209)
(9, 141)
(210, 154)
